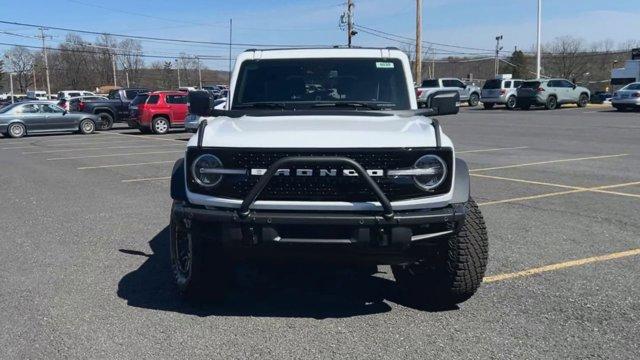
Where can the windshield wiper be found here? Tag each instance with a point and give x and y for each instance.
(357, 104)
(262, 105)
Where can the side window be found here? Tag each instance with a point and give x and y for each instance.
(176, 99)
(517, 83)
(51, 109)
(29, 109)
(452, 83)
(553, 84)
(153, 99)
(460, 84)
(507, 84)
(114, 95)
(567, 84)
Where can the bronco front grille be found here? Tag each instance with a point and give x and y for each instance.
(316, 188)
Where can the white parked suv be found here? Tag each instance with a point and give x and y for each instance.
(500, 91)
(468, 93)
(323, 155)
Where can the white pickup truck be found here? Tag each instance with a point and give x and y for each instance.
(323, 155)
(468, 93)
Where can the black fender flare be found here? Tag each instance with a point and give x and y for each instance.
(462, 183)
(178, 186)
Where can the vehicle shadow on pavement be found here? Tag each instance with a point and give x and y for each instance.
(308, 291)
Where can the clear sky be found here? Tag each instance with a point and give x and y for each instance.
(471, 23)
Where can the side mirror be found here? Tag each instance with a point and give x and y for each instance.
(444, 102)
(574, 86)
(200, 102)
(64, 112)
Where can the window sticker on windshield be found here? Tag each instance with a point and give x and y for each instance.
(384, 65)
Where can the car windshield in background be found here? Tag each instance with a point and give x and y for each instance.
(492, 84)
(430, 84)
(307, 83)
(140, 99)
(531, 84)
(634, 86)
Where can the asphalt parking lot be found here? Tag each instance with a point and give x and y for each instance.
(84, 268)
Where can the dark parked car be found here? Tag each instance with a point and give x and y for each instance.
(20, 119)
(600, 97)
(115, 109)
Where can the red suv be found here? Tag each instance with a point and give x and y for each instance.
(158, 111)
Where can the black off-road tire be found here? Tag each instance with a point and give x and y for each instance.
(106, 121)
(209, 274)
(487, 106)
(552, 103)
(455, 272)
(86, 127)
(16, 130)
(474, 99)
(583, 100)
(511, 102)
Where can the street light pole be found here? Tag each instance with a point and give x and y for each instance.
(178, 67)
(418, 41)
(113, 65)
(539, 38)
(46, 62)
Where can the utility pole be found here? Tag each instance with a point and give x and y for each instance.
(113, 65)
(350, 31)
(433, 63)
(497, 60)
(46, 61)
(178, 67)
(538, 50)
(230, 40)
(199, 72)
(11, 85)
(418, 41)
(35, 86)
(126, 74)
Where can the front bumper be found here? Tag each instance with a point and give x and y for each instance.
(631, 102)
(354, 237)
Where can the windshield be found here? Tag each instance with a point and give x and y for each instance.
(530, 84)
(634, 86)
(492, 84)
(140, 99)
(306, 83)
(7, 108)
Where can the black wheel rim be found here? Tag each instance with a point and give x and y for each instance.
(511, 103)
(552, 103)
(106, 122)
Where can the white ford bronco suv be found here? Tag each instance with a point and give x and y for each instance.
(323, 154)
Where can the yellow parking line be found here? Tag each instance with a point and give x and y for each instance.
(494, 149)
(560, 266)
(124, 165)
(147, 179)
(533, 197)
(547, 162)
(96, 148)
(574, 189)
(122, 154)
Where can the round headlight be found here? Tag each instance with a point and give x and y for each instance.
(435, 171)
(200, 169)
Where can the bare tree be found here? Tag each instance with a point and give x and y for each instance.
(130, 59)
(188, 69)
(20, 61)
(566, 58)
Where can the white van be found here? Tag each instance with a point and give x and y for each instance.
(36, 95)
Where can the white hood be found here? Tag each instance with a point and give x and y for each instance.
(320, 131)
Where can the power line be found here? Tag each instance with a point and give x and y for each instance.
(204, 57)
(137, 37)
(424, 42)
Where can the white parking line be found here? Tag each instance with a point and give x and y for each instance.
(147, 179)
(98, 148)
(41, 145)
(488, 150)
(124, 165)
(547, 162)
(109, 155)
(146, 137)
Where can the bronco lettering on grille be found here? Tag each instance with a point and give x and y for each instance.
(319, 172)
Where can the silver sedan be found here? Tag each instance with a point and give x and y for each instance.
(20, 119)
